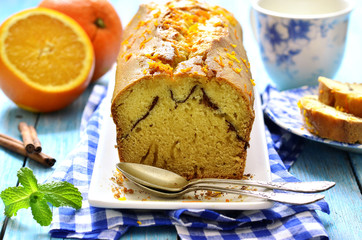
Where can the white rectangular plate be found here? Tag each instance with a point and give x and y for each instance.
(100, 191)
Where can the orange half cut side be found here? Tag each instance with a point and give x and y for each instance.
(46, 59)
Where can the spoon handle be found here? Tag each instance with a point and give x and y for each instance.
(307, 187)
(290, 198)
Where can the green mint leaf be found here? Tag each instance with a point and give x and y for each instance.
(40, 209)
(27, 179)
(35, 196)
(62, 194)
(15, 198)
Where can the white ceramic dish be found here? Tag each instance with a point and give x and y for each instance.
(283, 110)
(101, 195)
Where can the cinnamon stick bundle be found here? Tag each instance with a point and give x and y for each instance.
(30, 138)
(18, 147)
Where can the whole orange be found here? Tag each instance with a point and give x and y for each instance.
(102, 24)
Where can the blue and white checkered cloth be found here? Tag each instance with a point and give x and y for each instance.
(282, 221)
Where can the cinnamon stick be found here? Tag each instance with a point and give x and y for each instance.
(36, 141)
(18, 147)
(26, 136)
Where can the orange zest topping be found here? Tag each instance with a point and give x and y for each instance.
(237, 70)
(219, 61)
(252, 81)
(218, 24)
(125, 42)
(236, 34)
(154, 57)
(160, 67)
(186, 69)
(142, 23)
(128, 56)
(157, 14)
(233, 45)
(247, 64)
(205, 68)
(176, 50)
(193, 28)
(232, 56)
(222, 64)
(142, 44)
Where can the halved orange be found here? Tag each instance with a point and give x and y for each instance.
(46, 59)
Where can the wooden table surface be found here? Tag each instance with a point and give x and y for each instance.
(59, 133)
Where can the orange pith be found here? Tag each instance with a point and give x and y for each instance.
(46, 59)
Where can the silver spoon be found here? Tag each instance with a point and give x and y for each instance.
(161, 179)
(289, 198)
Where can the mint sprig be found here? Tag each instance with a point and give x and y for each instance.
(37, 196)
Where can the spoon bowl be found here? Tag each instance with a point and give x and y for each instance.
(153, 177)
(161, 179)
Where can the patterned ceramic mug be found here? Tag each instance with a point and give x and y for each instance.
(300, 40)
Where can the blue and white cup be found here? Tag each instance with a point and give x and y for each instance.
(300, 40)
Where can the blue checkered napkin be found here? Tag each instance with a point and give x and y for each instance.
(288, 145)
(280, 222)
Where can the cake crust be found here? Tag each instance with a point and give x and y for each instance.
(144, 41)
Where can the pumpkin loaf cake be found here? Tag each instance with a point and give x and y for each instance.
(183, 96)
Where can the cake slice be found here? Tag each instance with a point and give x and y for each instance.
(346, 97)
(328, 122)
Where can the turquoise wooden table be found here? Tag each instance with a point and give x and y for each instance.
(59, 133)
